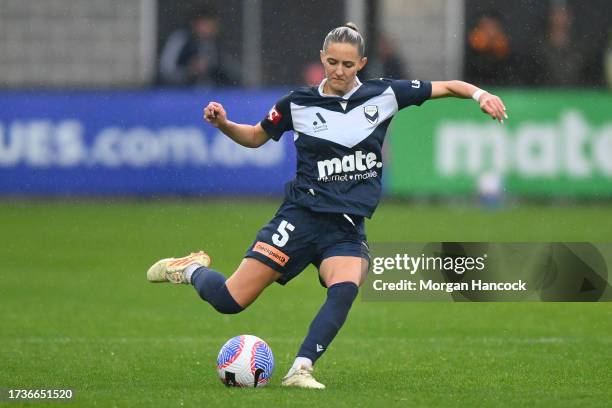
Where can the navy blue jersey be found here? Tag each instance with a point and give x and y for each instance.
(339, 141)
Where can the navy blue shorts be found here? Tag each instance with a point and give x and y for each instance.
(297, 237)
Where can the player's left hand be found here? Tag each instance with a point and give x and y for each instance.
(493, 106)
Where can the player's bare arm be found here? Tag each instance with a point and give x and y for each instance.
(245, 135)
(490, 104)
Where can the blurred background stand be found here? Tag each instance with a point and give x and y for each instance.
(106, 97)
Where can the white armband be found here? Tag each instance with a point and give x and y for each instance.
(476, 95)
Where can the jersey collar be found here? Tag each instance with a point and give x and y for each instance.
(345, 96)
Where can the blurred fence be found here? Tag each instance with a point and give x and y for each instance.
(76, 43)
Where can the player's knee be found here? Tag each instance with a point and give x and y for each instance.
(335, 271)
(340, 279)
(223, 301)
(211, 287)
(227, 306)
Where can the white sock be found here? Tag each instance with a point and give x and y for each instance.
(301, 361)
(190, 270)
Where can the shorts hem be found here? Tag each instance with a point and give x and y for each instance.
(268, 262)
(358, 253)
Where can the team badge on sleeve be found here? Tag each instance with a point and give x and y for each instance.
(371, 113)
(274, 115)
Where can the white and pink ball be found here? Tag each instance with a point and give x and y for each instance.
(245, 361)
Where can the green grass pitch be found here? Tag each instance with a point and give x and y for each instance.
(78, 313)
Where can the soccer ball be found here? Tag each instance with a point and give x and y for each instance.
(245, 361)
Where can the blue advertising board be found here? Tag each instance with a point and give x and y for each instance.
(151, 142)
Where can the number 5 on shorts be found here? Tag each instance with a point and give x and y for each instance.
(282, 237)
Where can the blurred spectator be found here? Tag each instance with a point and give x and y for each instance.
(559, 58)
(490, 187)
(489, 58)
(192, 55)
(385, 63)
(313, 74)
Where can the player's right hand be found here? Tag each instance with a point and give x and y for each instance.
(215, 114)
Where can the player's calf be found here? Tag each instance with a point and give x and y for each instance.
(211, 287)
(328, 321)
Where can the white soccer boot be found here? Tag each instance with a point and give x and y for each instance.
(301, 377)
(173, 269)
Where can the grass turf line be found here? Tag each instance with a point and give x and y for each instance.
(77, 312)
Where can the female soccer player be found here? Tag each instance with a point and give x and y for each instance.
(339, 129)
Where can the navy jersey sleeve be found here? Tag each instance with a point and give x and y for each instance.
(413, 92)
(278, 120)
